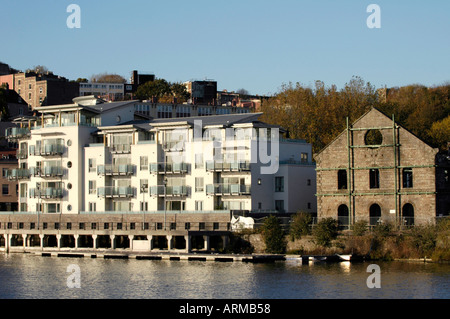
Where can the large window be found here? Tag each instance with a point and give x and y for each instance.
(279, 205)
(342, 179)
(279, 184)
(374, 178)
(407, 175)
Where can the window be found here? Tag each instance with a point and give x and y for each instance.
(32, 225)
(92, 207)
(201, 226)
(199, 184)
(92, 165)
(56, 225)
(407, 178)
(119, 226)
(143, 163)
(144, 206)
(69, 226)
(342, 179)
(215, 226)
(41, 90)
(373, 137)
(198, 205)
(143, 186)
(92, 187)
(304, 157)
(308, 182)
(5, 189)
(279, 205)
(20, 225)
(29, 96)
(374, 178)
(187, 226)
(44, 225)
(132, 225)
(93, 225)
(279, 184)
(4, 172)
(159, 226)
(198, 160)
(106, 226)
(81, 226)
(173, 226)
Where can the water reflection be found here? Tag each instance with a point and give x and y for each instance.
(28, 276)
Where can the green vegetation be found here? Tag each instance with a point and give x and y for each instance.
(273, 235)
(318, 114)
(163, 90)
(325, 231)
(300, 226)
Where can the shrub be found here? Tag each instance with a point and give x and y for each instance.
(325, 231)
(300, 225)
(382, 230)
(273, 236)
(360, 228)
(238, 245)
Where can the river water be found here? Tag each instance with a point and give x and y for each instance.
(25, 276)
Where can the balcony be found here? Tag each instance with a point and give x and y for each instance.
(227, 166)
(116, 170)
(50, 150)
(227, 189)
(120, 148)
(16, 132)
(18, 174)
(49, 171)
(169, 168)
(116, 192)
(22, 154)
(169, 191)
(173, 146)
(47, 193)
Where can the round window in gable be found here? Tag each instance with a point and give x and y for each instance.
(373, 137)
(118, 119)
(69, 164)
(69, 186)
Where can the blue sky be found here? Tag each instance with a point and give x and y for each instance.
(253, 44)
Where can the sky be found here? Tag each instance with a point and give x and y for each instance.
(257, 45)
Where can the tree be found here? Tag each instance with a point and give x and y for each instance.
(440, 133)
(158, 88)
(300, 225)
(325, 231)
(4, 111)
(107, 78)
(273, 236)
(179, 91)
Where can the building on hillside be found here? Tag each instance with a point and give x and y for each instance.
(106, 91)
(100, 167)
(378, 171)
(41, 89)
(9, 194)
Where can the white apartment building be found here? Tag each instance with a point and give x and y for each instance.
(109, 91)
(91, 156)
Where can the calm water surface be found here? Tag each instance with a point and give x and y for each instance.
(30, 276)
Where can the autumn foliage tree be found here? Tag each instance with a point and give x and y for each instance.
(318, 114)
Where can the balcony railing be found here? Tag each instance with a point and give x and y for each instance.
(121, 148)
(50, 150)
(169, 168)
(18, 174)
(227, 189)
(113, 192)
(227, 166)
(162, 190)
(116, 170)
(48, 171)
(47, 193)
(22, 154)
(16, 132)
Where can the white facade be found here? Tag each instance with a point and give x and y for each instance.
(94, 158)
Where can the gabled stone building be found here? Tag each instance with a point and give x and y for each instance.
(378, 171)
